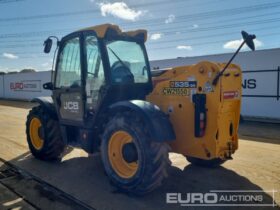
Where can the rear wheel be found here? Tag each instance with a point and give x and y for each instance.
(133, 162)
(43, 135)
(206, 163)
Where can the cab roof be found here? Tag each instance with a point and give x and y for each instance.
(101, 31)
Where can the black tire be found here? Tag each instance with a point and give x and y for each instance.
(205, 163)
(53, 145)
(152, 160)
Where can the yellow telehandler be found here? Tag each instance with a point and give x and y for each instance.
(106, 99)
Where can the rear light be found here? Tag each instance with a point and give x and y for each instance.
(202, 124)
(199, 115)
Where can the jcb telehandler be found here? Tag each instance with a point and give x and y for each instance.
(105, 99)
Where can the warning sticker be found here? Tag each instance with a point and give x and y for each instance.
(208, 87)
(176, 91)
(231, 94)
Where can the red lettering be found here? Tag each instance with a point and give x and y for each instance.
(16, 86)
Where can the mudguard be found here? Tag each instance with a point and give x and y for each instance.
(160, 127)
(47, 103)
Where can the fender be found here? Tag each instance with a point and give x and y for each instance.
(160, 127)
(46, 103)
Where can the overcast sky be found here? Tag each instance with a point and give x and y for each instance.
(176, 28)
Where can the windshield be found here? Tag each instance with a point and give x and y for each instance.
(127, 62)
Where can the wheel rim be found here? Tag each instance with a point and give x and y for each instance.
(117, 161)
(34, 129)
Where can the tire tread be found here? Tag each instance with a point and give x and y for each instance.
(53, 143)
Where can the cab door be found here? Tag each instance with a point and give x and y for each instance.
(69, 88)
(94, 74)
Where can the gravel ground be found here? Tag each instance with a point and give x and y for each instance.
(255, 167)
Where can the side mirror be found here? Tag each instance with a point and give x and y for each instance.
(48, 45)
(48, 86)
(249, 39)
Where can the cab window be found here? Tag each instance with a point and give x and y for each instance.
(69, 65)
(127, 62)
(95, 73)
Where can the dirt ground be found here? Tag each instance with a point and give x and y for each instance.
(255, 166)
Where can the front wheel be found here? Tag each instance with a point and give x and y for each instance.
(43, 135)
(133, 162)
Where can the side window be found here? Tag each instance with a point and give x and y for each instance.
(95, 73)
(69, 65)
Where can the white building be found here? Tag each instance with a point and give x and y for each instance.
(24, 86)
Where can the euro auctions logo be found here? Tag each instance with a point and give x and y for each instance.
(16, 85)
(27, 85)
(224, 198)
(192, 198)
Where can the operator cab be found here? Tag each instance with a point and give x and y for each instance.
(96, 67)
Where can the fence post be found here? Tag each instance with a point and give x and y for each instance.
(278, 83)
(4, 94)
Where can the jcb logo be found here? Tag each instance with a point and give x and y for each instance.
(71, 105)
